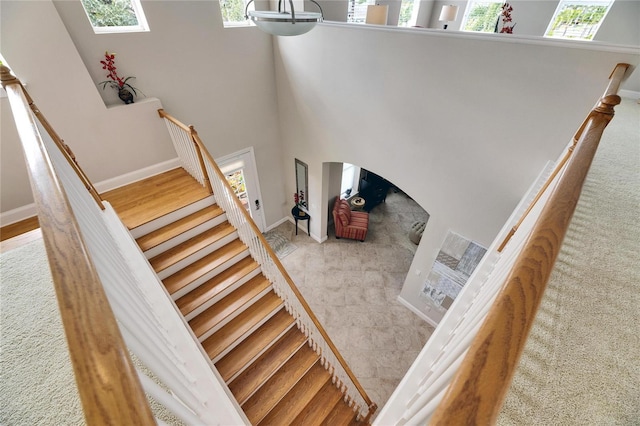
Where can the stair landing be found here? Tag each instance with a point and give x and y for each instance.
(156, 196)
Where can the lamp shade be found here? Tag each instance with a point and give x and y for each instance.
(283, 24)
(448, 13)
(377, 14)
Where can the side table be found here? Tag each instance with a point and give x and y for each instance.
(300, 215)
(357, 203)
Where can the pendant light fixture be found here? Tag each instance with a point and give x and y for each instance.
(282, 22)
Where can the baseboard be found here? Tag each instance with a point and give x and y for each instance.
(303, 227)
(278, 223)
(416, 311)
(126, 179)
(17, 215)
(25, 212)
(631, 94)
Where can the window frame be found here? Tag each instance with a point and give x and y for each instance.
(593, 33)
(143, 25)
(469, 9)
(238, 24)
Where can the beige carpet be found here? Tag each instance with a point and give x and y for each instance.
(34, 362)
(581, 365)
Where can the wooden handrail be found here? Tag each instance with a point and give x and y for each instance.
(614, 83)
(477, 392)
(205, 174)
(108, 385)
(7, 78)
(371, 405)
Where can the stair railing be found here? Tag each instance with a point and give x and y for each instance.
(464, 371)
(188, 151)
(100, 274)
(273, 269)
(96, 346)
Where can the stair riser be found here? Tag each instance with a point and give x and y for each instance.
(222, 294)
(169, 244)
(274, 372)
(172, 217)
(259, 354)
(212, 273)
(251, 330)
(235, 314)
(197, 255)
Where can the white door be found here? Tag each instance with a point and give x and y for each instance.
(241, 172)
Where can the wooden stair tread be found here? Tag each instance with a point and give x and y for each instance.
(216, 285)
(255, 343)
(272, 392)
(191, 246)
(215, 344)
(156, 196)
(266, 365)
(298, 397)
(200, 267)
(341, 414)
(320, 407)
(178, 227)
(214, 314)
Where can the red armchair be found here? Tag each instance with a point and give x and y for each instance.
(349, 224)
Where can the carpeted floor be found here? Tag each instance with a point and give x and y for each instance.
(34, 361)
(581, 365)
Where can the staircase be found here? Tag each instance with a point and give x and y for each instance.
(266, 361)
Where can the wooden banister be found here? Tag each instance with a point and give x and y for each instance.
(371, 405)
(108, 384)
(477, 392)
(7, 78)
(614, 83)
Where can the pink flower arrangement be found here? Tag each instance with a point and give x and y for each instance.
(506, 18)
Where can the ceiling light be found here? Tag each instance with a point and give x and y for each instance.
(282, 22)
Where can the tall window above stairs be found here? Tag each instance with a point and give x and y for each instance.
(115, 16)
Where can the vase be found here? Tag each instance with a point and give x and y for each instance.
(126, 96)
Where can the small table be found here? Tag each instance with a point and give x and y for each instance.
(301, 215)
(357, 203)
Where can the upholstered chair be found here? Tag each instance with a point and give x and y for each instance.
(349, 224)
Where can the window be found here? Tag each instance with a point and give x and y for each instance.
(357, 11)
(482, 16)
(408, 13)
(115, 16)
(233, 12)
(350, 179)
(578, 19)
(237, 182)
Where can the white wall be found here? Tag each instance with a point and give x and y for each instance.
(532, 17)
(220, 80)
(462, 123)
(36, 45)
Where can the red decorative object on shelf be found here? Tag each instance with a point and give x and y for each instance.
(115, 81)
